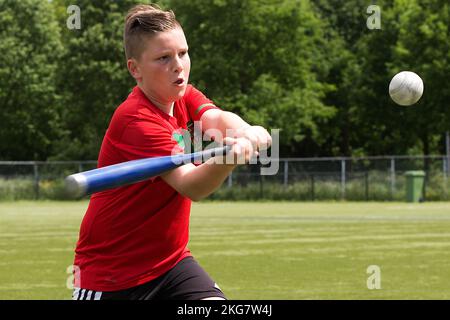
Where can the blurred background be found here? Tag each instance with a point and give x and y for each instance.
(317, 70)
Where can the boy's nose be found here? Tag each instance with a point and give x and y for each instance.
(178, 65)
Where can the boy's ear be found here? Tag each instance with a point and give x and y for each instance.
(133, 68)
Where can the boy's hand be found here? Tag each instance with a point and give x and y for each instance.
(241, 152)
(257, 135)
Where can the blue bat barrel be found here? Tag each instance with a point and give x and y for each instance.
(124, 173)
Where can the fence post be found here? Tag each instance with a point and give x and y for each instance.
(313, 193)
(366, 180)
(444, 167)
(230, 180)
(445, 174)
(447, 162)
(36, 180)
(447, 149)
(261, 187)
(286, 172)
(392, 177)
(343, 177)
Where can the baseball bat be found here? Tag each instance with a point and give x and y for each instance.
(100, 179)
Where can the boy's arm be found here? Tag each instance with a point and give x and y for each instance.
(197, 182)
(230, 124)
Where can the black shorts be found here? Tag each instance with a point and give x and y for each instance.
(186, 281)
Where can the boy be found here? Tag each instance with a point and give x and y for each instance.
(132, 242)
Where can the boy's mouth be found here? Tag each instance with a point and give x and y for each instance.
(179, 81)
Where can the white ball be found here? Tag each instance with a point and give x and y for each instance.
(406, 88)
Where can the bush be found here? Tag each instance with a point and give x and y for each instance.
(17, 189)
(27, 189)
(359, 187)
(375, 186)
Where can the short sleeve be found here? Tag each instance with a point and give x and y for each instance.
(197, 103)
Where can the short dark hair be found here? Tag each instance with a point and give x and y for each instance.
(143, 21)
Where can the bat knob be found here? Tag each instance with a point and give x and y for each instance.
(76, 185)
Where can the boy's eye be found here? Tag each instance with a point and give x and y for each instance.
(163, 58)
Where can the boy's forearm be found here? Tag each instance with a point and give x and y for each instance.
(224, 121)
(198, 182)
(203, 180)
(230, 120)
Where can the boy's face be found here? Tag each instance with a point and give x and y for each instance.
(162, 71)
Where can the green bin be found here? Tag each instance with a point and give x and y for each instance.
(414, 185)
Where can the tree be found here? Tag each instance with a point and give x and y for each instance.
(346, 25)
(423, 46)
(260, 59)
(94, 77)
(30, 48)
(415, 37)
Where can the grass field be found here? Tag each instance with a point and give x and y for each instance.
(263, 250)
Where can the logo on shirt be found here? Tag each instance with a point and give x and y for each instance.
(185, 137)
(178, 137)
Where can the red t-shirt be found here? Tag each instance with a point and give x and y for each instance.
(133, 234)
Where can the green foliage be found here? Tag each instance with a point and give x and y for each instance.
(376, 186)
(296, 112)
(17, 189)
(259, 59)
(93, 77)
(373, 185)
(310, 68)
(30, 103)
(343, 27)
(423, 45)
(413, 37)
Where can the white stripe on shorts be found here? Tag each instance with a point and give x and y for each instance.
(98, 295)
(83, 294)
(76, 292)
